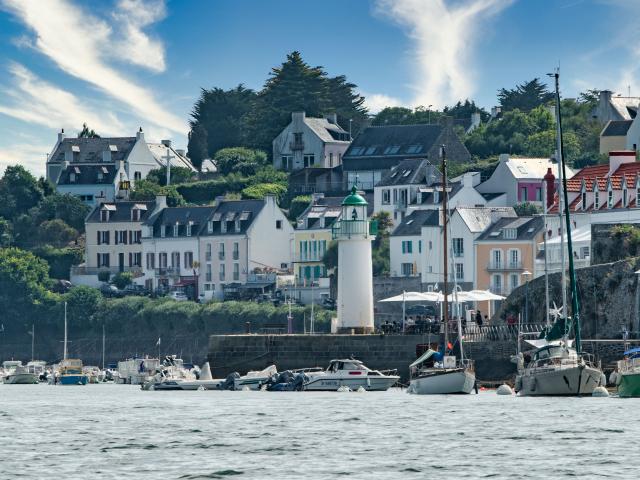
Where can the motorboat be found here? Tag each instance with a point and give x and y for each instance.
(137, 371)
(38, 368)
(557, 369)
(349, 373)
(173, 382)
(627, 375)
(70, 372)
(170, 375)
(436, 374)
(254, 380)
(17, 374)
(93, 373)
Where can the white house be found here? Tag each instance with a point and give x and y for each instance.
(104, 169)
(520, 178)
(406, 247)
(310, 142)
(466, 224)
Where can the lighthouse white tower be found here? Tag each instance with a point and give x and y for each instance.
(354, 234)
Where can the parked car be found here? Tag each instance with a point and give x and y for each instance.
(110, 291)
(178, 296)
(329, 303)
(135, 289)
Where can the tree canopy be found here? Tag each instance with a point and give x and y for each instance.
(524, 97)
(240, 160)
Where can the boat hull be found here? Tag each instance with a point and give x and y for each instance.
(571, 381)
(453, 381)
(629, 385)
(73, 380)
(21, 379)
(370, 383)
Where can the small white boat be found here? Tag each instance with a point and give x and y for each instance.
(349, 373)
(39, 369)
(430, 376)
(170, 375)
(17, 374)
(137, 371)
(254, 380)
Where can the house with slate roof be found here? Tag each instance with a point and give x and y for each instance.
(377, 149)
(615, 107)
(309, 142)
(104, 169)
(406, 247)
(614, 136)
(113, 240)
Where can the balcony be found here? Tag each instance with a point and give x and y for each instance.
(236, 255)
(84, 270)
(348, 228)
(498, 290)
(308, 258)
(207, 257)
(504, 266)
(262, 277)
(220, 255)
(296, 145)
(167, 272)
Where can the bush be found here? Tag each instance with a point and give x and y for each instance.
(261, 190)
(122, 279)
(104, 276)
(239, 159)
(298, 205)
(60, 260)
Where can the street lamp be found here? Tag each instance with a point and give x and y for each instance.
(429, 113)
(526, 274)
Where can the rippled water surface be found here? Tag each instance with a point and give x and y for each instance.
(118, 431)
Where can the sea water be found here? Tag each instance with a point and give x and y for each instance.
(118, 431)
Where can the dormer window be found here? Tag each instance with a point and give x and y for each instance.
(104, 215)
(163, 231)
(72, 177)
(175, 229)
(510, 233)
(189, 228)
(135, 215)
(100, 176)
(237, 225)
(596, 199)
(610, 198)
(209, 226)
(584, 199)
(223, 226)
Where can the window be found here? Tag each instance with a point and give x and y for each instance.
(458, 247)
(297, 137)
(419, 246)
(207, 275)
(103, 260)
(104, 215)
(513, 281)
(103, 237)
(188, 259)
(137, 259)
(309, 160)
(137, 176)
(175, 260)
(496, 284)
(414, 148)
(638, 198)
(135, 215)
(331, 159)
(189, 229)
(100, 176)
(371, 150)
(584, 252)
(207, 255)
(72, 177)
(596, 200)
(407, 269)
(221, 251)
(496, 258)
(510, 233)
(278, 224)
(386, 196)
(436, 196)
(610, 199)
(163, 231)
(162, 260)
(395, 195)
(357, 151)
(584, 200)
(175, 229)
(392, 150)
(624, 198)
(514, 258)
(459, 271)
(539, 194)
(430, 268)
(430, 245)
(223, 226)
(151, 261)
(523, 194)
(236, 250)
(407, 246)
(287, 162)
(209, 226)
(221, 275)
(236, 272)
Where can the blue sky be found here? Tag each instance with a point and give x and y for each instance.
(120, 64)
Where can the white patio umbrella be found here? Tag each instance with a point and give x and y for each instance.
(412, 297)
(483, 295)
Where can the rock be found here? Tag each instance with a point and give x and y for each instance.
(504, 389)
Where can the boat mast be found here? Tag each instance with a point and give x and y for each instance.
(575, 306)
(64, 354)
(445, 309)
(103, 343)
(561, 200)
(33, 340)
(545, 207)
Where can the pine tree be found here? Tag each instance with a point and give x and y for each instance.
(524, 97)
(197, 146)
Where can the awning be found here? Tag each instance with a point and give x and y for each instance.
(425, 356)
(249, 286)
(633, 350)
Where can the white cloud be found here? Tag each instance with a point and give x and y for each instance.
(80, 43)
(33, 100)
(30, 156)
(444, 35)
(379, 101)
(135, 46)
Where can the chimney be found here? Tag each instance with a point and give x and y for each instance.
(315, 197)
(140, 134)
(181, 152)
(476, 119)
(550, 182)
(166, 143)
(605, 96)
(106, 155)
(161, 204)
(618, 157)
(297, 117)
(61, 136)
(495, 111)
(332, 118)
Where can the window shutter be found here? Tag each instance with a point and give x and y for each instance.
(107, 235)
(99, 239)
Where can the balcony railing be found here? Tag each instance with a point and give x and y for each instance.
(236, 255)
(261, 277)
(493, 265)
(349, 228)
(307, 258)
(220, 255)
(167, 271)
(84, 270)
(207, 256)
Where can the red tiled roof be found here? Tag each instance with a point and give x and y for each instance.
(631, 168)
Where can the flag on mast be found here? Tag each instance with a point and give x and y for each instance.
(158, 342)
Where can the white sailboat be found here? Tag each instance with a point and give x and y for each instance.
(436, 372)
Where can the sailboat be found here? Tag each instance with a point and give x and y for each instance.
(436, 372)
(70, 370)
(558, 366)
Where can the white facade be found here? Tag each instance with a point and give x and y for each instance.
(406, 254)
(308, 142)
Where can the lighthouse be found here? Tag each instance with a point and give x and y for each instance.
(354, 233)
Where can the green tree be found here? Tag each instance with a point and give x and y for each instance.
(65, 207)
(82, 304)
(525, 97)
(147, 190)
(197, 146)
(526, 209)
(23, 284)
(122, 279)
(178, 175)
(463, 110)
(87, 132)
(240, 160)
(56, 233)
(330, 257)
(298, 205)
(260, 190)
(19, 192)
(6, 233)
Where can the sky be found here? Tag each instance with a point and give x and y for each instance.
(123, 64)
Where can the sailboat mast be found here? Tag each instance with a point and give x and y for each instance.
(103, 345)
(545, 208)
(64, 353)
(33, 341)
(575, 307)
(445, 309)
